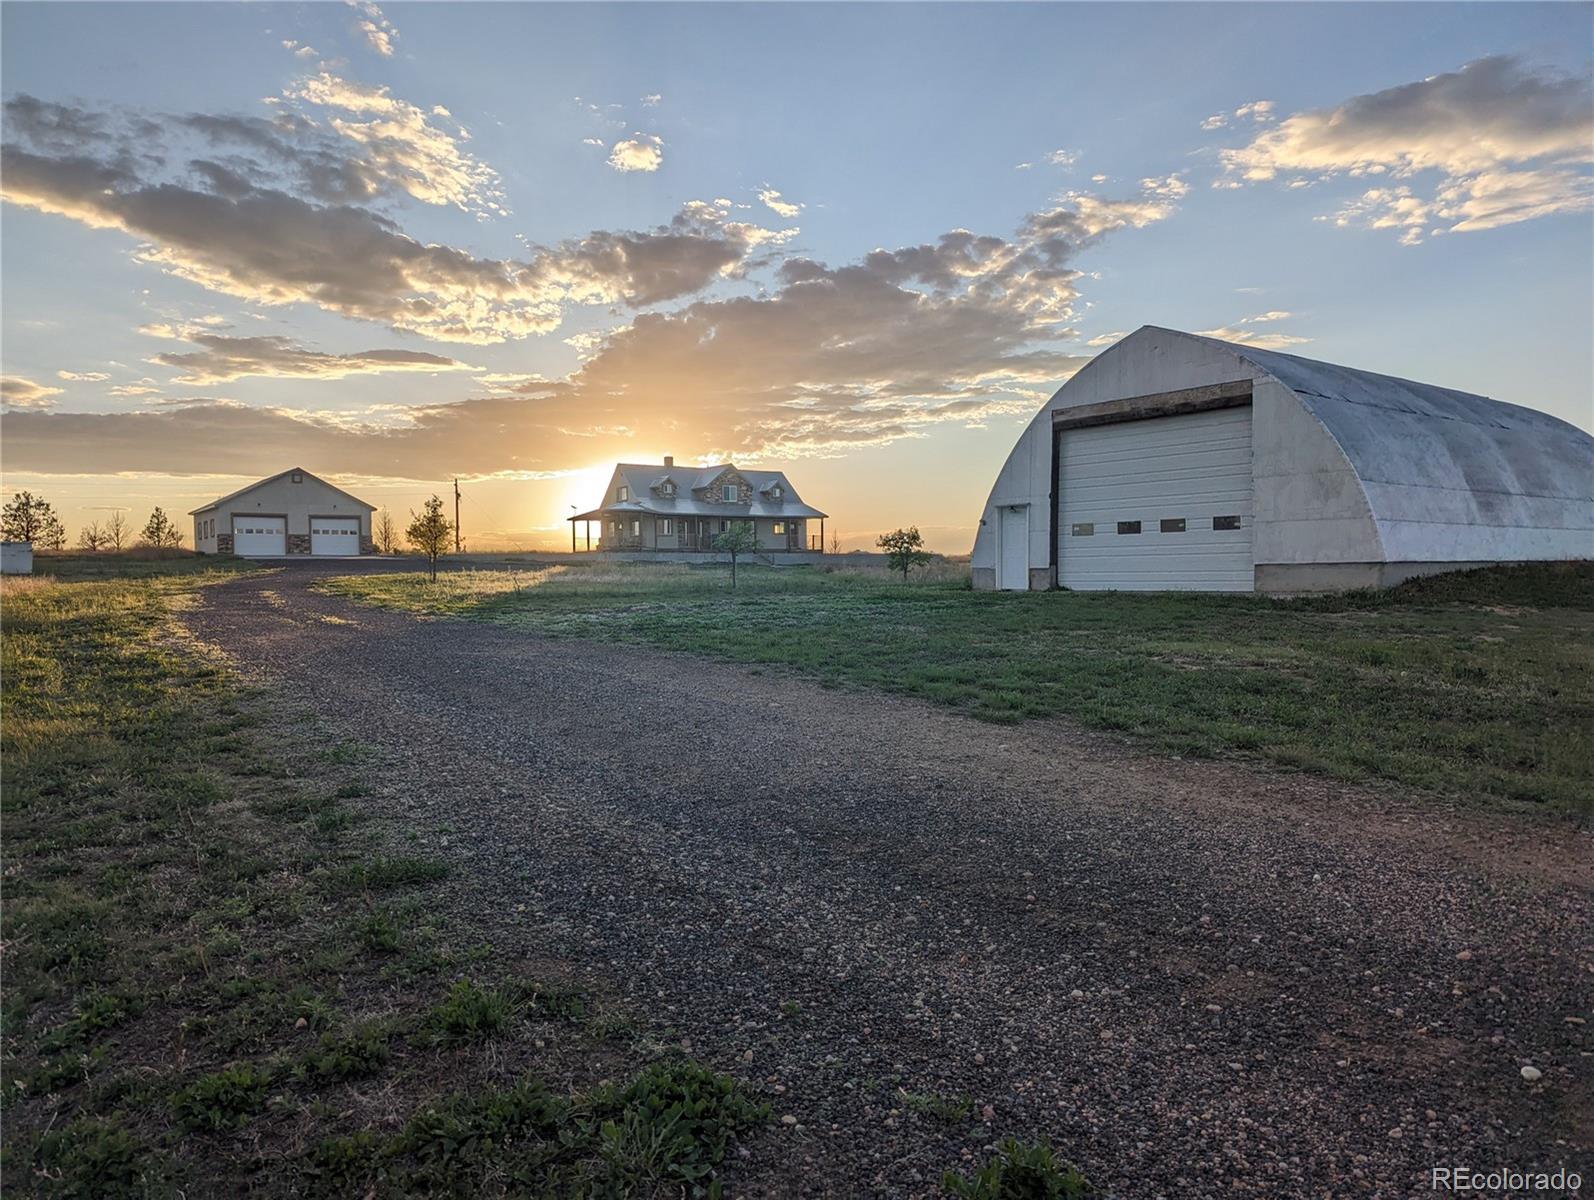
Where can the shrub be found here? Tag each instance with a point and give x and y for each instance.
(224, 1100)
(1021, 1171)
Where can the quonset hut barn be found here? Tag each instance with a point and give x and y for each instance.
(1177, 462)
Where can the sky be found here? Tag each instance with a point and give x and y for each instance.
(516, 243)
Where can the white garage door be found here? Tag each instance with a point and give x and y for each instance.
(334, 535)
(259, 535)
(1157, 505)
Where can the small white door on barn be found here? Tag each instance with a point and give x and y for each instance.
(1157, 505)
(1013, 546)
(259, 535)
(334, 535)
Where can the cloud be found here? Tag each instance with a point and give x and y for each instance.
(639, 152)
(1102, 340)
(135, 389)
(1168, 187)
(1494, 143)
(377, 30)
(299, 49)
(82, 376)
(402, 145)
(1259, 111)
(238, 232)
(652, 100)
(957, 330)
(1215, 121)
(1251, 337)
(1263, 318)
(221, 359)
(781, 208)
(18, 392)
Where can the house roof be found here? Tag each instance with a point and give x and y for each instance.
(272, 479)
(643, 478)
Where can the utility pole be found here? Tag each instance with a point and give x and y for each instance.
(456, 514)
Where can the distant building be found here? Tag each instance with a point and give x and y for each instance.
(663, 507)
(1178, 462)
(16, 558)
(288, 514)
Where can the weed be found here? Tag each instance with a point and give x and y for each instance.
(468, 1013)
(93, 1159)
(1020, 1171)
(381, 874)
(361, 1052)
(379, 933)
(933, 1104)
(227, 1099)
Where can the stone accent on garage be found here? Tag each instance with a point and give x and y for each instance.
(224, 543)
(367, 546)
(298, 543)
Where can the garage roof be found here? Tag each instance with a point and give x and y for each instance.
(272, 479)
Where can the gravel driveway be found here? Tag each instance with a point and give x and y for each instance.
(1196, 979)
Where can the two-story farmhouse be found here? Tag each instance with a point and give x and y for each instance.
(653, 506)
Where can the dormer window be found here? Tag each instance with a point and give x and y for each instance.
(728, 493)
(777, 492)
(622, 494)
(666, 488)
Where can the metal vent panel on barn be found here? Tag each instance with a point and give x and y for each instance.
(1159, 504)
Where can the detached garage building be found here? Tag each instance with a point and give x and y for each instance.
(291, 513)
(1177, 462)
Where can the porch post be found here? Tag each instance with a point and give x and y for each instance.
(821, 535)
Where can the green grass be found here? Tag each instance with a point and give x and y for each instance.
(202, 994)
(1473, 685)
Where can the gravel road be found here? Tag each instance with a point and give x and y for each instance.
(1196, 979)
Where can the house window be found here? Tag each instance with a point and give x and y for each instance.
(728, 492)
(780, 527)
(636, 528)
(1128, 526)
(1225, 522)
(665, 527)
(724, 525)
(666, 489)
(622, 494)
(1087, 529)
(777, 491)
(1172, 524)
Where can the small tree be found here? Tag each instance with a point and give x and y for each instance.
(385, 533)
(740, 538)
(430, 532)
(30, 518)
(116, 533)
(92, 538)
(160, 531)
(904, 549)
(835, 542)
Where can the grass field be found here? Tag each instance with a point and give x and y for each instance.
(1477, 685)
(222, 977)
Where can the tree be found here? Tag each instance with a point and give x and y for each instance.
(116, 532)
(160, 532)
(30, 518)
(835, 542)
(430, 532)
(92, 538)
(739, 538)
(385, 533)
(904, 549)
